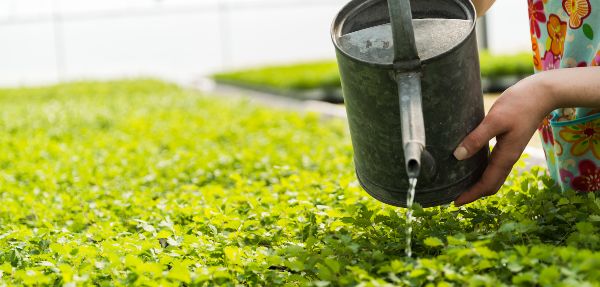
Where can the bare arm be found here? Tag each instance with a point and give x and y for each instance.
(482, 6)
(581, 86)
(515, 117)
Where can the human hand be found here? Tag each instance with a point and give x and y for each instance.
(513, 119)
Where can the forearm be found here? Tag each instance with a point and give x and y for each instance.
(573, 87)
(482, 6)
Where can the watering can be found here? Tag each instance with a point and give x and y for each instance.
(412, 87)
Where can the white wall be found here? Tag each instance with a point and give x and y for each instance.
(45, 41)
(508, 26)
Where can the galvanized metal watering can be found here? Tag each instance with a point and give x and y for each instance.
(412, 90)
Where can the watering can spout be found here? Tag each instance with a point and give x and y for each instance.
(408, 69)
(416, 158)
(419, 162)
(412, 157)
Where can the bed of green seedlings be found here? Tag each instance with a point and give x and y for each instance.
(141, 182)
(325, 75)
(302, 76)
(507, 65)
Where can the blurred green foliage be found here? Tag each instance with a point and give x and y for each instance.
(142, 182)
(304, 76)
(494, 66)
(325, 75)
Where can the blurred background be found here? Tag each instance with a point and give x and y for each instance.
(48, 41)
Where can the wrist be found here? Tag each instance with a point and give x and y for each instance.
(549, 91)
(545, 91)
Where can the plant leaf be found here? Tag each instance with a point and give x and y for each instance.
(588, 31)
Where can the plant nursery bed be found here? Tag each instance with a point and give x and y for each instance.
(305, 81)
(141, 182)
(320, 80)
(330, 95)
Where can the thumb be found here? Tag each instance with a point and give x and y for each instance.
(478, 138)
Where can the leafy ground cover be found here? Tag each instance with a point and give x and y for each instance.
(303, 76)
(505, 65)
(144, 183)
(325, 75)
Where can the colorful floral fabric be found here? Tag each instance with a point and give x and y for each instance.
(566, 34)
(577, 11)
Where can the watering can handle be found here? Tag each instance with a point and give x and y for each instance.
(407, 66)
(405, 49)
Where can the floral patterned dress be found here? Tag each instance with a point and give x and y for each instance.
(566, 34)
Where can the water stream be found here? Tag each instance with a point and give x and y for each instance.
(410, 198)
